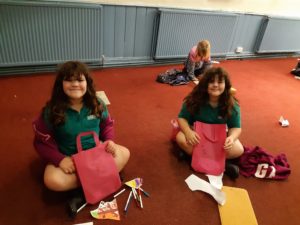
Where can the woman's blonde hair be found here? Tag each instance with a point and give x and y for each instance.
(203, 48)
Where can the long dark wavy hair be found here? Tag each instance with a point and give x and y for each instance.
(59, 102)
(200, 97)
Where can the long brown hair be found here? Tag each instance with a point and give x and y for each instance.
(200, 97)
(59, 102)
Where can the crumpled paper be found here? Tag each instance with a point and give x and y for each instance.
(283, 122)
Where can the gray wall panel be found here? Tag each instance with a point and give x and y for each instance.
(108, 31)
(140, 49)
(119, 34)
(128, 33)
(144, 32)
(245, 34)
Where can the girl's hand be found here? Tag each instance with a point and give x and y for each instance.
(192, 138)
(228, 143)
(111, 148)
(67, 165)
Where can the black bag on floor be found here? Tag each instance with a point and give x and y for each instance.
(173, 77)
(167, 76)
(296, 70)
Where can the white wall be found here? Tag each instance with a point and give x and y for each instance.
(285, 8)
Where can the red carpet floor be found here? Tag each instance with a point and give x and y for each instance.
(142, 110)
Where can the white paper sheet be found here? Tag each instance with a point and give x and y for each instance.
(87, 223)
(197, 184)
(216, 181)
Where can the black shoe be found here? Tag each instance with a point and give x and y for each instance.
(298, 64)
(76, 202)
(182, 156)
(231, 170)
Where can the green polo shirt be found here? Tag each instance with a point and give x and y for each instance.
(75, 123)
(210, 115)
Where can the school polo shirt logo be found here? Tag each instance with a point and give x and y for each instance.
(91, 117)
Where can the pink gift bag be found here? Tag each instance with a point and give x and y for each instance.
(209, 155)
(96, 169)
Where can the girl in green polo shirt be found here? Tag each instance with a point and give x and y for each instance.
(73, 108)
(212, 102)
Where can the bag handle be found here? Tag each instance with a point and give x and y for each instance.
(82, 134)
(209, 132)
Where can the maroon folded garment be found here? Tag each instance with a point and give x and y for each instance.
(257, 162)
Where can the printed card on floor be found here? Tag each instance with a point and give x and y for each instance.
(106, 210)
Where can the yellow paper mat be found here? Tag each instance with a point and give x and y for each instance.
(103, 97)
(238, 208)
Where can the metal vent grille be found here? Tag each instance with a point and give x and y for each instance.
(41, 34)
(280, 35)
(180, 30)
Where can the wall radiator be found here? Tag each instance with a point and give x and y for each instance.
(179, 30)
(36, 33)
(279, 35)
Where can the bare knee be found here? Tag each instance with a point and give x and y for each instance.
(122, 157)
(126, 155)
(56, 180)
(236, 151)
(181, 141)
(53, 182)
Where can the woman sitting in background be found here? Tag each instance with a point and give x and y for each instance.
(198, 60)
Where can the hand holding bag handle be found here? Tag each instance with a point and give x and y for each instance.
(96, 169)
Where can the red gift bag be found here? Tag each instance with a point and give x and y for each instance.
(96, 169)
(209, 155)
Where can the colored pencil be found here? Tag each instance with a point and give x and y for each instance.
(135, 196)
(120, 192)
(128, 202)
(145, 193)
(140, 196)
(81, 207)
